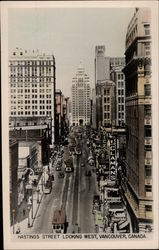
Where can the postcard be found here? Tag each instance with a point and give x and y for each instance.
(80, 124)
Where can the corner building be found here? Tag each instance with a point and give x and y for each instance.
(138, 188)
(32, 87)
(81, 110)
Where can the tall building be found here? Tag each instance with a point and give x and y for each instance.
(102, 64)
(32, 86)
(110, 68)
(105, 103)
(94, 125)
(81, 111)
(62, 116)
(118, 77)
(138, 190)
(117, 61)
(59, 115)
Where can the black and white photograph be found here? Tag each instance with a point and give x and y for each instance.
(80, 124)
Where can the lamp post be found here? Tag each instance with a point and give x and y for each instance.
(32, 215)
(38, 190)
(13, 213)
(42, 183)
(28, 215)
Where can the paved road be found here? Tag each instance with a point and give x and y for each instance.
(74, 193)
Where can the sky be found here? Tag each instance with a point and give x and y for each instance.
(71, 35)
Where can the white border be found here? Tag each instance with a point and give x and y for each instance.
(115, 244)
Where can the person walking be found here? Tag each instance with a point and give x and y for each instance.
(23, 212)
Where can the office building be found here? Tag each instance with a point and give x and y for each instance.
(110, 68)
(118, 77)
(62, 116)
(102, 64)
(138, 188)
(32, 86)
(105, 103)
(81, 111)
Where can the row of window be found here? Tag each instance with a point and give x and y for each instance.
(121, 84)
(29, 96)
(106, 99)
(121, 115)
(29, 90)
(106, 107)
(106, 91)
(121, 99)
(33, 85)
(30, 107)
(120, 76)
(120, 107)
(121, 92)
(29, 63)
(106, 115)
(22, 80)
(31, 113)
(29, 79)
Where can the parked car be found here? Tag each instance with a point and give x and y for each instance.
(58, 168)
(96, 198)
(82, 164)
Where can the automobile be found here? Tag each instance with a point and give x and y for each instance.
(88, 173)
(91, 162)
(78, 151)
(51, 177)
(59, 162)
(96, 198)
(58, 168)
(82, 164)
(69, 169)
(60, 155)
(61, 175)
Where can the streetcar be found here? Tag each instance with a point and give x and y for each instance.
(69, 165)
(59, 224)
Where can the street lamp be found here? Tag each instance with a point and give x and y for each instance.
(13, 213)
(38, 190)
(29, 205)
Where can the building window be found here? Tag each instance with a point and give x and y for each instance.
(148, 171)
(148, 188)
(147, 49)
(148, 208)
(147, 110)
(147, 131)
(147, 29)
(147, 90)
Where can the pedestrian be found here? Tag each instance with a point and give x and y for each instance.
(23, 212)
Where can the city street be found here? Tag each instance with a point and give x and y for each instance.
(74, 193)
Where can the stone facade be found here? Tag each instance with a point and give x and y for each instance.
(138, 120)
